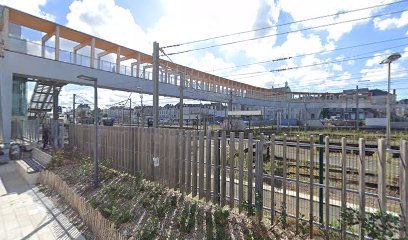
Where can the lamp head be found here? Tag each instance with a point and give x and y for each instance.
(87, 78)
(393, 57)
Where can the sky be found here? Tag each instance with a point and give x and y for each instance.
(326, 54)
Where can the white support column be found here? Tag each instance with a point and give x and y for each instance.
(138, 66)
(100, 55)
(44, 39)
(92, 65)
(6, 28)
(75, 56)
(118, 60)
(132, 66)
(6, 79)
(57, 43)
(42, 49)
(99, 62)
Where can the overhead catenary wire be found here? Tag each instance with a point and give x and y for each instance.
(310, 65)
(285, 33)
(285, 24)
(308, 54)
(377, 83)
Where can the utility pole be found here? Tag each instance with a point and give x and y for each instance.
(156, 66)
(181, 107)
(357, 110)
(73, 107)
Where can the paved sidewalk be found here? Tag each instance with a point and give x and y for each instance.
(26, 213)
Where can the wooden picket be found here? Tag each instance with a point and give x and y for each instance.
(201, 166)
(223, 168)
(208, 167)
(232, 170)
(194, 164)
(241, 170)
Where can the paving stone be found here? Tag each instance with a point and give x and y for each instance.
(27, 213)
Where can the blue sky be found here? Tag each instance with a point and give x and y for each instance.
(137, 24)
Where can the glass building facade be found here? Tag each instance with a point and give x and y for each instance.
(19, 98)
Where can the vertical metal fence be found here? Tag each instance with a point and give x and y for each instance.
(308, 179)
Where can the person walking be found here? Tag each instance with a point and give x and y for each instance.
(45, 135)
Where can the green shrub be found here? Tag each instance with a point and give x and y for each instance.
(56, 161)
(221, 216)
(186, 220)
(118, 215)
(378, 225)
(249, 208)
(149, 230)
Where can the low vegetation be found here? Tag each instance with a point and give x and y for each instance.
(145, 210)
(141, 209)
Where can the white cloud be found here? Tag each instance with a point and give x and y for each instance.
(105, 19)
(30, 6)
(379, 72)
(388, 23)
(294, 45)
(378, 57)
(301, 10)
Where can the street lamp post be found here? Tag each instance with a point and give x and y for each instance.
(393, 57)
(96, 147)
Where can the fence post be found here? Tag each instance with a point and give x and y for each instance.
(208, 169)
(382, 184)
(327, 182)
(259, 178)
(175, 170)
(223, 168)
(232, 170)
(201, 166)
(182, 161)
(404, 187)
(194, 164)
(250, 167)
(362, 200)
(297, 215)
(311, 193)
(343, 183)
(241, 170)
(188, 162)
(284, 175)
(321, 178)
(273, 167)
(153, 152)
(216, 182)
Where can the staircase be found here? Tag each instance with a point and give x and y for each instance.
(42, 99)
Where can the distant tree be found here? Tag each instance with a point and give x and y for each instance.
(325, 113)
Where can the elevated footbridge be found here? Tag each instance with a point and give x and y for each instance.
(36, 60)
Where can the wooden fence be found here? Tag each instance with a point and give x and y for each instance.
(100, 226)
(309, 181)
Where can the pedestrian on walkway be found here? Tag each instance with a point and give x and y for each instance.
(45, 135)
